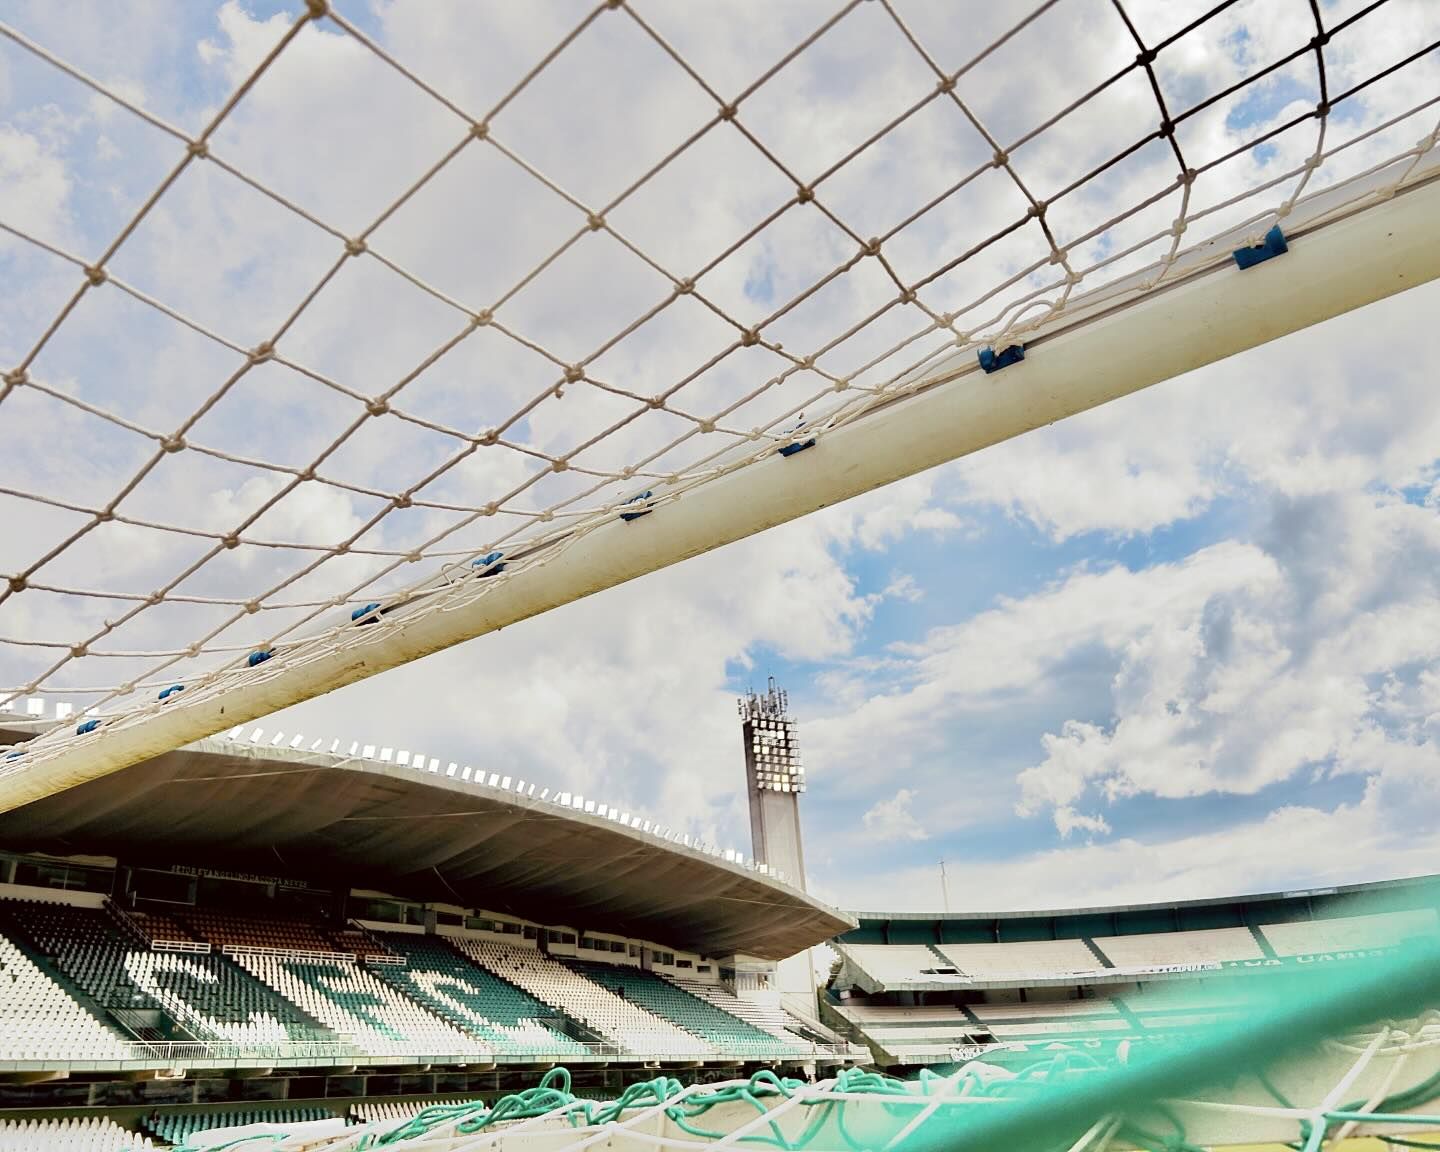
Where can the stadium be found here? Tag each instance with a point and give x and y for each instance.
(332, 346)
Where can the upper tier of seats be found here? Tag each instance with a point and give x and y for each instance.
(769, 1018)
(726, 1032)
(1210, 945)
(472, 998)
(1350, 933)
(897, 963)
(208, 995)
(598, 1008)
(39, 1020)
(353, 1002)
(1022, 958)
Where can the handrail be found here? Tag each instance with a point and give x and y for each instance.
(201, 947)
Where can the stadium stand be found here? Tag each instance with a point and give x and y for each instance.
(370, 1111)
(552, 982)
(1072, 1019)
(177, 1127)
(509, 1019)
(1215, 945)
(204, 994)
(1348, 933)
(90, 1134)
(724, 1032)
(911, 1033)
(350, 1000)
(1021, 959)
(898, 963)
(769, 1018)
(39, 1020)
(227, 930)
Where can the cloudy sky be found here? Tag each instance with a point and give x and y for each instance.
(1187, 644)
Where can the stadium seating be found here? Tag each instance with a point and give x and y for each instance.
(396, 1111)
(1033, 958)
(207, 995)
(551, 982)
(507, 1018)
(1349, 933)
(910, 1033)
(350, 1000)
(225, 930)
(39, 1020)
(90, 1134)
(897, 963)
(1064, 1019)
(175, 1127)
(769, 1018)
(725, 1032)
(1214, 945)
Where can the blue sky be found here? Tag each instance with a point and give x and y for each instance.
(1184, 644)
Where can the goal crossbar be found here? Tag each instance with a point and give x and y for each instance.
(1344, 252)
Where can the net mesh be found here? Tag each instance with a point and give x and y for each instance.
(705, 279)
(1306, 1059)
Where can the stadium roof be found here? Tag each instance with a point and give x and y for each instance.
(351, 822)
(1298, 895)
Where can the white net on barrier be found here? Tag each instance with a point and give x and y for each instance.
(379, 309)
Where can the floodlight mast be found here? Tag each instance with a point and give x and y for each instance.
(1076, 360)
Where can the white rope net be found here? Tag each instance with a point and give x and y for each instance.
(585, 295)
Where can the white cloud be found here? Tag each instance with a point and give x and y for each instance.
(892, 819)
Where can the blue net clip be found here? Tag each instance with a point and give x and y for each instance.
(1273, 245)
(992, 361)
(797, 445)
(360, 614)
(14, 755)
(489, 564)
(644, 496)
(259, 657)
(166, 693)
(87, 726)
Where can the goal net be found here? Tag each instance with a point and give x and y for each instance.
(390, 354)
(1348, 1050)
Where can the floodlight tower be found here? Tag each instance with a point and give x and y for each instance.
(774, 779)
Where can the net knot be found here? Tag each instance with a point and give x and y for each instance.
(16, 377)
(354, 247)
(560, 465)
(1001, 158)
(574, 373)
(871, 247)
(908, 296)
(105, 515)
(489, 437)
(230, 541)
(656, 402)
(318, 9)
(685, 287)
(404, 500)
(96, 275)
(17, 583)
(1145, 58)
(199, 149)
(172, 444)
(804, 194)
(262, 352)
(480, 130)
(482, 318)
(945, 84)
(377, 407)
(727, 111)
(78, 650)
(490, 509)
(750, 336)
(252, 607)
(594, 221)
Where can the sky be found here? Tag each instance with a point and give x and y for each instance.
(1187, 644)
